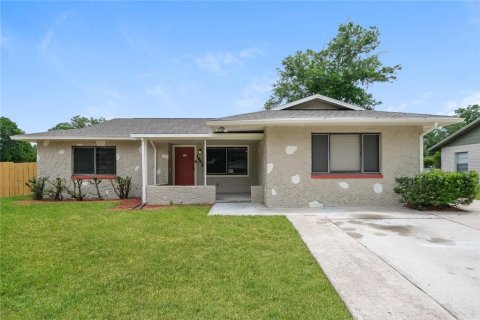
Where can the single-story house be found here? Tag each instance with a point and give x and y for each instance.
(313, 152)
(461, 149)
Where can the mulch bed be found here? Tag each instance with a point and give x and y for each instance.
(126, 204)
(439, 209)
(122, 204)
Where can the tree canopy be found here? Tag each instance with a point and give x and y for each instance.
(77, 122)
(344, 70)
(470, 114)
(15, 151)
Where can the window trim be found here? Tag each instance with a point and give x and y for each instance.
(353, 174)
(228, 175)
(91, 175)
(456, 161)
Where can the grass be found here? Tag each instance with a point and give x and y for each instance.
(85, 261)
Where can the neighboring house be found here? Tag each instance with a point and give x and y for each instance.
(312, 152)
(461, 149)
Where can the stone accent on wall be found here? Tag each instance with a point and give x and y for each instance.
(257, 194)
(293, 186)
(164, 195)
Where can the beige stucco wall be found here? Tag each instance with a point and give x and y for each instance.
(448, 156)
(55, 160)
(288, 168)
(163, 195)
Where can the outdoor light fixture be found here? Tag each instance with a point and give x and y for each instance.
(199, 156)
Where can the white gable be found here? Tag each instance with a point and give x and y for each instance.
(318, 102)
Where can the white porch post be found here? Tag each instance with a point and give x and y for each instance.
(154, 162)
(204, 162)
(144, 171)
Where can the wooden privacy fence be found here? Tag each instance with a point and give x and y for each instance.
(13, 177)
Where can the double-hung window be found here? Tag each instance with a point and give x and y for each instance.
(227, 161)
(461, 161)
(346, 153)
(94, 160)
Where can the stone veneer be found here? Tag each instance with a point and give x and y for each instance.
(288, 168)
(163, 195)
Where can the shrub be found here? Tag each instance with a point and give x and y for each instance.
(437, 189)
(37, 187)
(96, 182)
(122, 186)
(57, 189)
(77, 193)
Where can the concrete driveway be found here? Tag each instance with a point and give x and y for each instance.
(399, 264)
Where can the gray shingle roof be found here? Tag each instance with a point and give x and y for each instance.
(123, 128)
(456, 134)
(325, 114)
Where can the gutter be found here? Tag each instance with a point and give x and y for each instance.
(349, 121)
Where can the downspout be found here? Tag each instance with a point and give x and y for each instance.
(421, 144)
(144, 171)
(154, 163)
(204, 162)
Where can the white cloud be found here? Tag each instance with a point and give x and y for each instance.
(469, 98)
(254, 95)
(217, 62)
(407, 106)
(48, 36)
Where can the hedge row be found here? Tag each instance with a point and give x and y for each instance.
(438, 189)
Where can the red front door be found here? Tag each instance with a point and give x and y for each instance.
(184, 166)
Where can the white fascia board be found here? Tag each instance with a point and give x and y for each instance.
(319, 97)
(52, 138)
(338, 121)
(208, 136)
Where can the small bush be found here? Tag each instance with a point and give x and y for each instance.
(96, 182)
(37, 187)
(437, 189)
(77, 193)
(122, 186)
(58, 186)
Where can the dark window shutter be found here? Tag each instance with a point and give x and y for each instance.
(320, 153)
(371, 156)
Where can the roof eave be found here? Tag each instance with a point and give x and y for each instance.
(349, 121)
(36, 138)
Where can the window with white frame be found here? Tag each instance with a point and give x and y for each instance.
(226, 161)
(461, 161)
(94, 160)
(346, 153)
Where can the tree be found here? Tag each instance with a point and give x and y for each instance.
(344, 70)
(15, 151)
(77, 122)
(470, 114)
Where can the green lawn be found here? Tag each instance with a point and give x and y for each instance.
(85, 261)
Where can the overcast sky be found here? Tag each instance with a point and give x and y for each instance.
(150, 59)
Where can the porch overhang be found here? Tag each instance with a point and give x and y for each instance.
(201, 136)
